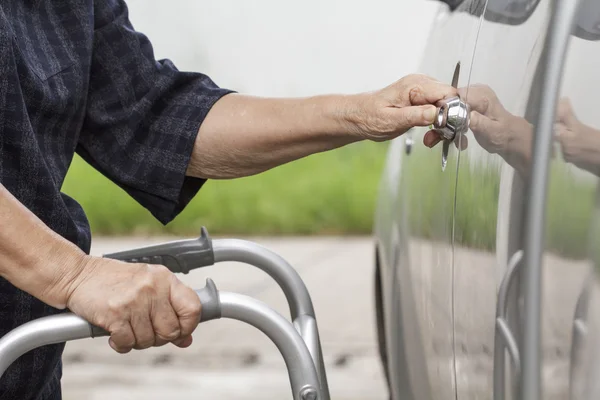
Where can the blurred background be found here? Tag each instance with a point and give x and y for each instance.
(274, 48)
(316, 212)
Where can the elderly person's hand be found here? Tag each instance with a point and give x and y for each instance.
(140, 305)
(390, 112)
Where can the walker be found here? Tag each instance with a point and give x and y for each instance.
(298, 340)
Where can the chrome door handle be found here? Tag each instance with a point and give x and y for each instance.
(504, 338)
(452, 119)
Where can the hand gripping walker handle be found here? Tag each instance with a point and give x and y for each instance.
(209, 298)
(66, 327)
(184, 255)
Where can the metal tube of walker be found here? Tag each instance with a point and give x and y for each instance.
(301, 368)
(293, 287)
(185, 255)
(66, 327)
(503, 337)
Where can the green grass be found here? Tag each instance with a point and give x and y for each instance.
(570, 212)
(331, 192)
(335, 193)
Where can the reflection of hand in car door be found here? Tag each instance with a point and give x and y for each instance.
(499, 132)
(580, 143)
(496, 130)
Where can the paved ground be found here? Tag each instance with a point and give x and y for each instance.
(232, 361)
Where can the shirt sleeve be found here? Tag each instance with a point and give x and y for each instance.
(142, 116)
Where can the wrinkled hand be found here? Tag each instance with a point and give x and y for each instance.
(390, 112)
(140, 305)
(580, 143)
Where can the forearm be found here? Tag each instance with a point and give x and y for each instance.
(33, 257)
(245, 135)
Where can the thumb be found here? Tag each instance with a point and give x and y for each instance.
(409, 117)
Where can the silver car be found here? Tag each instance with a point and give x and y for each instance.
(487, 244)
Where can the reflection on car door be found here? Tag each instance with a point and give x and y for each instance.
(419, 319)
(492, 178)
(487, 220)
(570, 281)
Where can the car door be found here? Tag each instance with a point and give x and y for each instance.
(418, 313)
(493, 179)
(490, 183)
(570, 259)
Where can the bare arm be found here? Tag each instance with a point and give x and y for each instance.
(140, 305)
(245, 135)
(31, 254)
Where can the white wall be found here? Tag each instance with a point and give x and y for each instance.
(285, 48)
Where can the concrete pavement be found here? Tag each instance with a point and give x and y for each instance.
(230, 360)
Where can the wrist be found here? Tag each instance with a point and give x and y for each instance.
(346, 111)
(67, 265)
(34, 258)
(51, 273)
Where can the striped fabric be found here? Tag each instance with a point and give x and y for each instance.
(76, 77)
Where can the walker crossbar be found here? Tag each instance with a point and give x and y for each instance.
(66, 327)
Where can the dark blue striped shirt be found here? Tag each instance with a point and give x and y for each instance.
(75, 77)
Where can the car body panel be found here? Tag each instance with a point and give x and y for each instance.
(571, 245)
(445, 237)
(505, 61)
(416, 264)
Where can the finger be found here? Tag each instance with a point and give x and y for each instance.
(122, 339)
(429, 92)
(165, 322)
(480, 98)
(143, 330)
(482, 124)
(183, 342)
(186, 304)
(409, 117)
(431, 139)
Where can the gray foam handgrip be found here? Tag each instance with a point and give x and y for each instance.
(211, 303)
(209, 298)
(178, 256)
